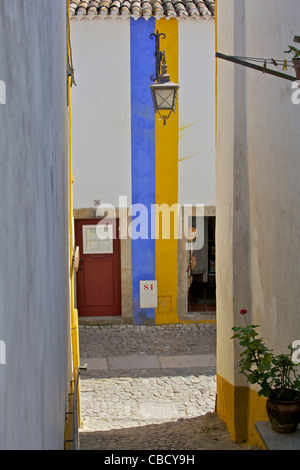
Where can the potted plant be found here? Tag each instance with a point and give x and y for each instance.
(275, 375)
(296, 59)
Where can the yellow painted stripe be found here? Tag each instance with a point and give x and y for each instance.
(166, 142)
(74, 319)
(240, 407)
(73, 312)
(68, 433)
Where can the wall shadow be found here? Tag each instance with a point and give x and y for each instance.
(206, 432)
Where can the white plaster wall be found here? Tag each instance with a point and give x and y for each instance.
(274, 171)
(196, 108)
(34, 288)
(258, 167)
(101, 111)
(225, 167)
(101, 106)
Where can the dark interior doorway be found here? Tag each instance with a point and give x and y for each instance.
(202, 293)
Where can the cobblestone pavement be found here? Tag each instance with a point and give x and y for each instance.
(150, 388)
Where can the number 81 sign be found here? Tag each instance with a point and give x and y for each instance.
(148, 294)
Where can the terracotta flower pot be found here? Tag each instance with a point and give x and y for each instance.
(296, 63)
(284, 416)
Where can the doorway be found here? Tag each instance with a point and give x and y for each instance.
(98, 279)
(202, 293)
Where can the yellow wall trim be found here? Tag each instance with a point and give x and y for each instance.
(239, 408)
(167, 186)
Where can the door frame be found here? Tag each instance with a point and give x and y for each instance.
(79, 223)
(90, 213)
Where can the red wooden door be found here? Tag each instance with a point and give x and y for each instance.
(98, 279)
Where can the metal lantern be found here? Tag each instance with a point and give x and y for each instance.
(164, 92)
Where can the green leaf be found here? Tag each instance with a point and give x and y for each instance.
(252, 379)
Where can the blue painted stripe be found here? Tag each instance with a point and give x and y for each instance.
(142, 51)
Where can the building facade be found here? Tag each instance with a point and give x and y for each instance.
(257, 197)
(126, 159)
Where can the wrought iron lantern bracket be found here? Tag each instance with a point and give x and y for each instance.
(158, 53)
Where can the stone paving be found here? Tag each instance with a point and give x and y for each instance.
(150, 387)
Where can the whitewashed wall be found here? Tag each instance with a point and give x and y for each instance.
(101, 111)
(196, 107)
(258, 168)
(34, 260)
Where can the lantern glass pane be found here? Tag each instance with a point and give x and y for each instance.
(164, 98)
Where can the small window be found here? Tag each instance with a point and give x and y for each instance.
(97, 239)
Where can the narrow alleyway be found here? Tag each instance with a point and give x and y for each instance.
(150, 388)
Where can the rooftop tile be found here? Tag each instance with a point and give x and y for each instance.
(143, 8)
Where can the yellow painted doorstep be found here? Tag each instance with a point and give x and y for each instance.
(239, 408)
